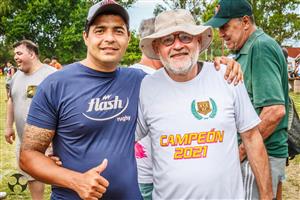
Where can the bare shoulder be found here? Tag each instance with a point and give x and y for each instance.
(37, 139)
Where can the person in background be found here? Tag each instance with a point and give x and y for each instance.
(54, 63)
(9, 72)
(22, 89)
(266, 80)
(143, 147)
(47, 61)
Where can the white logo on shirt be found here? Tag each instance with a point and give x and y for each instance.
(106, 104)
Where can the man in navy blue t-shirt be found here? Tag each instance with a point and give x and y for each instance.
(89, 110)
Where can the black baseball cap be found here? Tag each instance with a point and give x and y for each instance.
(229, 9)
(106, 6)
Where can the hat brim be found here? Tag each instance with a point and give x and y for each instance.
(205, 32)
(217, 22)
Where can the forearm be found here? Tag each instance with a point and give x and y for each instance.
(88, 185)
(270, 118)
(9, 114)
(258, 158)
(45, 170)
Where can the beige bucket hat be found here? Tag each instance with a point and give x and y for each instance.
(172, 21)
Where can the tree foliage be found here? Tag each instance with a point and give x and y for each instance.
(278, 18)
(196, 7)
(133, 52)
(55, 25)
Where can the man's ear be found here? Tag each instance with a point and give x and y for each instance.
(129, 36)
(84, 36)
(246, 21)
(155, 47)
(199, 39)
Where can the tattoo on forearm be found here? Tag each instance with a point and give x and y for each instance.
(37, 139)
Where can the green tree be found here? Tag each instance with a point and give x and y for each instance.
(280, 19)
(196, 7)
(277, 18)
(133, 53)
(55, 25)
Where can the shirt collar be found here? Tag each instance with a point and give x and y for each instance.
(249, 42)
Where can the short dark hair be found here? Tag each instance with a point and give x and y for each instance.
(88, 24)
(31, 46)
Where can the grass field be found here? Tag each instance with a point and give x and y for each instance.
(8, 162)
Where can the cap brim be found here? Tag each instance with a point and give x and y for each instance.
(203, 31)
(217, 22)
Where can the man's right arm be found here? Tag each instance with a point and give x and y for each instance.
(88, 185)
(9, 131)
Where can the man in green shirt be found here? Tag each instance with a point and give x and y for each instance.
(266, 80)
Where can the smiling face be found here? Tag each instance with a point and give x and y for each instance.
(180, 57)
(233, 33)
(24, 58)
(106, 41)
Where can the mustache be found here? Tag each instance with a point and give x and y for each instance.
(182, 52)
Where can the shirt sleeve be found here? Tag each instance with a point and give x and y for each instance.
(245, 116)
(42, 112)
(266, 72)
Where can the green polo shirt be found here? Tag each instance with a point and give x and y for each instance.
(266, 80)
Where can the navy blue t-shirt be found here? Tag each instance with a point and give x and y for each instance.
(94, 117)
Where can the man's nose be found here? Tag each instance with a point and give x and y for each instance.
(109, 36)
(177, 44)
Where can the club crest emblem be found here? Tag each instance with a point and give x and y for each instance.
(31, 90)
(204, 109)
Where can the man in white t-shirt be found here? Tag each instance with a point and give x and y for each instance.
(143, 147)
(192, 118)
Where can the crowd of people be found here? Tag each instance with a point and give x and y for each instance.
(168, 127)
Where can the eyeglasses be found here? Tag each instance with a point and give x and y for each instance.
(170, 39)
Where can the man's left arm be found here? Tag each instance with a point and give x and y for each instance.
(258, 158)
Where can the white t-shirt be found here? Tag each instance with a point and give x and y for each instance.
(143, 147)
(193, 129)
(145, 68)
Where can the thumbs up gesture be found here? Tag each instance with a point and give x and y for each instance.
(91, 185)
